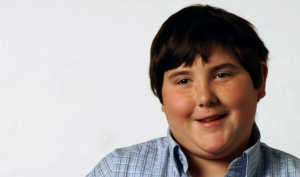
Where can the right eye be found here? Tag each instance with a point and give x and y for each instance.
(184, 81)
(222, 75)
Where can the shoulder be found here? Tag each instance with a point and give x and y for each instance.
(104, 167)
(275, 154)
(148, 147)
(130, 159)
(279, 162)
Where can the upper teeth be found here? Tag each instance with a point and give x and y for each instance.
(210, 119)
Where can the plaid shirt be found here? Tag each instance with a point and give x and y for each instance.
(163, 157)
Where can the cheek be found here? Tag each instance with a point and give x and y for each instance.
(237, 92)
(240, 98)
(178, 105)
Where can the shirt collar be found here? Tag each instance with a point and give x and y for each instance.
(244, 165)
(177, 156)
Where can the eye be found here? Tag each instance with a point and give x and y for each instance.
(184, 81)
(222, 75)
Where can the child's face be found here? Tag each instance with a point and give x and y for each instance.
(220, 89)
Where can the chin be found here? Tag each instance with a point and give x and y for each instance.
(215, 149)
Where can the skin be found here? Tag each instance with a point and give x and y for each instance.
(219, 87)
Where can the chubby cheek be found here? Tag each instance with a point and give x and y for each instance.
(240, 97)
(178, 106)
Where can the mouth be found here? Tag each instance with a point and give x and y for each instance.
(214, 118)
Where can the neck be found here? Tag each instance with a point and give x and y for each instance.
(201, 167)
(208, 167)
(211, 168)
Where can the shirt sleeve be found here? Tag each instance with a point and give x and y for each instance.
(103, 168)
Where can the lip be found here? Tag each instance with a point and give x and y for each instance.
(212, 123)
(212, 116)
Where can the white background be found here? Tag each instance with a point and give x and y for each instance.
(74, 79)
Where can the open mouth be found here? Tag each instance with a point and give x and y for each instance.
(212, 118)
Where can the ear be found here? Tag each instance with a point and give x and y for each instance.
(262, 90)
(162, 108)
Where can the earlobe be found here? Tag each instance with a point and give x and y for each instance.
(261, 94)
(162, 108)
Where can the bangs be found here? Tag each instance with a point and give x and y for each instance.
(197, 31)
(197, 40)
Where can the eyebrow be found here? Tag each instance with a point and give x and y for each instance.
(225, 65)
(179, 73)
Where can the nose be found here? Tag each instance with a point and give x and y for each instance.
(206, 95)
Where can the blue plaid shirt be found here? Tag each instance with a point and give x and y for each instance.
(163, 157)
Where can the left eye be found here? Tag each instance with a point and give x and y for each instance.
(221, 75)
(184, 81)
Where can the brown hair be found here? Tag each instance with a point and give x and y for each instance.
(196, 30)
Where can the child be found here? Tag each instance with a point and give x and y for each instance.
(208, 68)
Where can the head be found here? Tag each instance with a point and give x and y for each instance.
(197, 30)
(208, 69)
